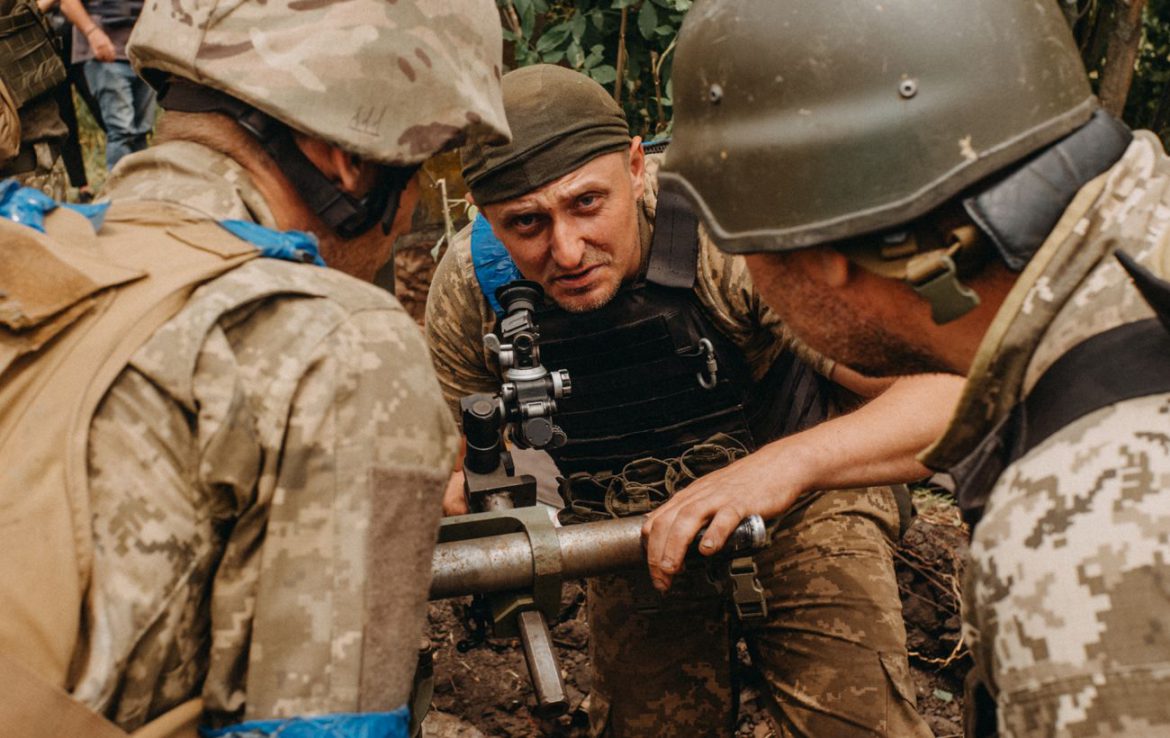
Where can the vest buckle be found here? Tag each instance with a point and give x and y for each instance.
(747, 594)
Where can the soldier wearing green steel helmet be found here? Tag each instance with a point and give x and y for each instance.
(933, 188)
(678, 372)
(225, 455)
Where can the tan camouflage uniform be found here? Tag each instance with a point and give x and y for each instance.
(1067, 603)
(266, 476)
(833, 647)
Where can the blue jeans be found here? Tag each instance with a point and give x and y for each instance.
(127, 105)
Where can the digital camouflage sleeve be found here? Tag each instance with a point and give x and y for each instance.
(279, 450)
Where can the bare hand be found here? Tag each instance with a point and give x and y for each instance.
(753, 485)
(454, 501)
(103, 47)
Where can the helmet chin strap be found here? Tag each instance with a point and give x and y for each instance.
(345, 214)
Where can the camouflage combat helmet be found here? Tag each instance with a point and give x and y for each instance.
(393, 82)
(800, 123)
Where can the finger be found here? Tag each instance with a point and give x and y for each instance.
(661, 570)
(721, 527)
(454, 501)
(684, 527)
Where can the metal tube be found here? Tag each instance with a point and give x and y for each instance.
(504, 562)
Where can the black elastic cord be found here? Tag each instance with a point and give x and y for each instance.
(344, 214)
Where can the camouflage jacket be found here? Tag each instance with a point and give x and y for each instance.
(458, 314)
(1065, 602)
(266, 476)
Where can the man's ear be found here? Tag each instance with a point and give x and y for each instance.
(637, 167)
(347, 168)
(833, 269)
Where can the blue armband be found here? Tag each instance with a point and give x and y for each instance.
(29, 206)
(494, 267)
(394, 724)
(295, 246)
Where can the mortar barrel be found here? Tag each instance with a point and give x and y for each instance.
(504, 562)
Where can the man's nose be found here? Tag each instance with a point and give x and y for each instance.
(568, 244)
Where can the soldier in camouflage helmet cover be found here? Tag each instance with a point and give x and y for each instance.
(961, 206)
(243, 458)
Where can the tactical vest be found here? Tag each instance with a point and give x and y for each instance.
(652, 375)
(73, 309)
(29, 64)
(1123, 363)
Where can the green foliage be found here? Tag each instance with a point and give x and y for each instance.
(586, 35)
(1148, 103)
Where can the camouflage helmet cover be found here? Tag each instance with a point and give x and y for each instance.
(799, 123)
(393, 82)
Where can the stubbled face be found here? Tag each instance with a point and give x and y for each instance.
(855, 332)
(578, 235)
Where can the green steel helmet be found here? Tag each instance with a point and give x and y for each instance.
(393, 82)
(799, 123)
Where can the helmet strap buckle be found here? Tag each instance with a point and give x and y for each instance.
(934, 277)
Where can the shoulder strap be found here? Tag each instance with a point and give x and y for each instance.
(1123, 363)
(45, 711)
(42, 710)
(674, 252)
(47, 398)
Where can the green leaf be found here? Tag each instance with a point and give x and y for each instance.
(578, 26)
(552, 37)
(603, 74)
(575, 55)
(647, 20)
(596, 55)
(553, 57)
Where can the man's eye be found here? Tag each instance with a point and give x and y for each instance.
(524, 221)
(587, 201)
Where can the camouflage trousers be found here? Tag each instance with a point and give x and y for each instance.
(832, 649)
(1067, 586)
(49, 176)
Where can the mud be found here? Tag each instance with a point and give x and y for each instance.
(485, 690)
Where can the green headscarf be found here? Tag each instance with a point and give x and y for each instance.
(560, 120)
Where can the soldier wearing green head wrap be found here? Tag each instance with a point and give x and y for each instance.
(933, 188)
(678, 369)
(222, 473)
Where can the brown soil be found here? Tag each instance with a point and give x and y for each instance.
(488, 686)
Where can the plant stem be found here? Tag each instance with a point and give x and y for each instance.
(621, 56)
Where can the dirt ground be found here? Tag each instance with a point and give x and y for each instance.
(486, 691)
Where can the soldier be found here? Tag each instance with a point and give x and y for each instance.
(677, 368)
(923, 212)
(222, 473)
(31, 129)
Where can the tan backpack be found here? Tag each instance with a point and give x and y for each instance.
(73, 309)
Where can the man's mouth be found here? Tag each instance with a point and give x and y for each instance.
(576, 280)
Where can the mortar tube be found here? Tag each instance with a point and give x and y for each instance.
(503, 563)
